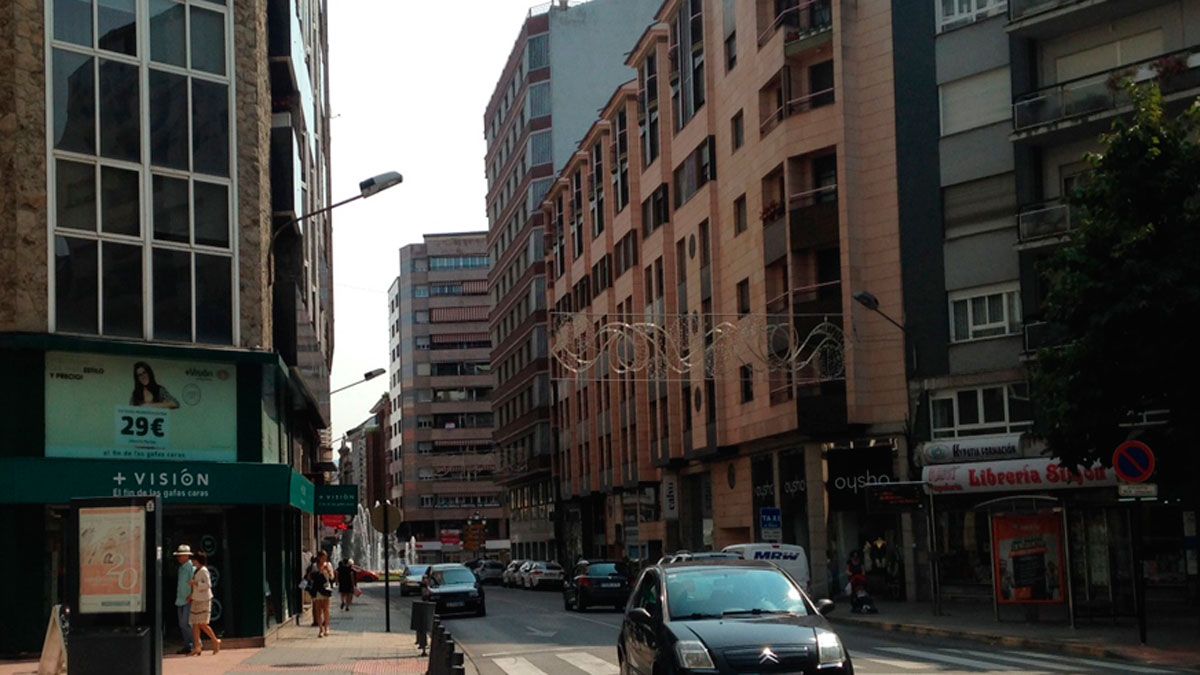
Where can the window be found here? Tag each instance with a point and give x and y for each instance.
(647, 595)
(537, 51)
(540, 149)
(422, 342)
(421, 316)
(539, 100)
(747, 377)
(687, 68)
(983, 313)
(737, 130)
(620, 167)
(740, 220)
(577, 213)
(135, 226)
(978, 411)
(420, 291)
(696, 170)
(656, 210)
(648, 109)
(955, 13)
(468, 262)
(976, 101)
(731, 51)
(596, 201)
(743, 297)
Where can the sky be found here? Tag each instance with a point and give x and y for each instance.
(409, 81)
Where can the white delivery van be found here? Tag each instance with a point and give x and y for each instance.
(793, 559)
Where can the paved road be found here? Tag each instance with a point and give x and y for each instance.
(528, 633)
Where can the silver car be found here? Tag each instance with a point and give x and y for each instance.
(511, 575)
(489, 571)
(413, 576)
(534, 575)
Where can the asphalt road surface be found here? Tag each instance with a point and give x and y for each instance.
(529, 633)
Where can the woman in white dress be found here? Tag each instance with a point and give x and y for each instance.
(201, 600)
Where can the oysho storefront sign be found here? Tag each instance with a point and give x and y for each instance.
(978, 448)
(851, 470)
(1014, 475)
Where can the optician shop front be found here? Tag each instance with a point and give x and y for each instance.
(212, 433)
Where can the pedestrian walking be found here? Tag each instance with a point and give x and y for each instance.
(310, 594)
(321, 582)
(183, 591)
(346, 582)
(201, 604)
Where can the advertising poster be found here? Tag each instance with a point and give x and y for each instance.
(1029, 560)
(101, 406)
(111, 549)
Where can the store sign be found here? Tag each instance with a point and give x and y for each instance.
(851, 470)
(103, 406)
(1029, 558)
(112, 544)
(340, 500)
(896, 497)
(1014, 475)
(670, 492)
(978, 448)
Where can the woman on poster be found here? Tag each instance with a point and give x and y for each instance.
(147, 392)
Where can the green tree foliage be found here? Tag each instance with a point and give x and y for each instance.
(1124, 291)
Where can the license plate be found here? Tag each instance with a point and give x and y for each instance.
(454, 604)
(610, 585)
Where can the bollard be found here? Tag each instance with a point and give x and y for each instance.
(458, 670)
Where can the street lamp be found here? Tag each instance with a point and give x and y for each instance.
(868, 300)
(369, 375)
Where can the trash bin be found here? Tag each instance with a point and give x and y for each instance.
(422, 622)
(95, 650)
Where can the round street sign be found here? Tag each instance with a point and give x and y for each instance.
(393, 518)
(1133, 461)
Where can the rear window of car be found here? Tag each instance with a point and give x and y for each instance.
(605, 569)
(456, 575)
(554, 567)
(417, 570)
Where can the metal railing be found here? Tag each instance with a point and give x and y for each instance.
(1019, 9)
(799, 20)
(813, 196)
(1040, 221)
(1099, 92)
(795, 106)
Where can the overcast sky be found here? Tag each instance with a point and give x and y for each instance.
(409, 81)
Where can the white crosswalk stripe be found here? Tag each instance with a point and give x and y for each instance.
(858, 656)
(589, 663)
(929, 655)
(516, 665)
(1039, 662)
(1107, 665)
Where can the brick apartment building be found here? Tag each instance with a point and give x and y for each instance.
(744, 180)
(441, 386)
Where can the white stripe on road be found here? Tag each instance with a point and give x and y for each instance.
(518, 666)
(859, 655)
(590, 664)
(1039, 662)
(1122, 667)
(944, 658)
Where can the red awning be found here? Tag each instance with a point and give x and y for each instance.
(457, 314)
(451, 338)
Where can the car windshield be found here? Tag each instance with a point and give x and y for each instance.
(702, 593)
(416, 571)
(457, 575)
(553, 567)
(606, 569)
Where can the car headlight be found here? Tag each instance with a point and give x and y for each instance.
(829, 648)
(693, 655)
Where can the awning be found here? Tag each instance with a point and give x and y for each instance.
(453, 338)
(39, 480)
(458, 314)
(1014, 475)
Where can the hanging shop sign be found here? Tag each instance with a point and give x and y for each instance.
(670, 496)
(104, 406)
(340, 500)
(1014, 475)
(902, 497)
(851, 470)
(1029, 558)
(979, 448)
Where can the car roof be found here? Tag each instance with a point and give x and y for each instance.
(717, 563)
(442, 567)
(598, 562)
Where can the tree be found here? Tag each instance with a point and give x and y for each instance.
(1123, 291)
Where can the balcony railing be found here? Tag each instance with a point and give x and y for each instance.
(1175, 71)
(1019, 9)
(800, 21)
(1041, 334)
(795, 106)
(1051, 219)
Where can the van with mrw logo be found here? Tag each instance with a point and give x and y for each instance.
(791, 558)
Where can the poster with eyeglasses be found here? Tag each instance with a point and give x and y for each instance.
(103, 406)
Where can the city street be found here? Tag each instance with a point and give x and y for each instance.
(528, 633)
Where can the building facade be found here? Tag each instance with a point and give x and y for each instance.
(147, 348)
(442, 386)
(566, 59)
(1005, 98)
(704, 245)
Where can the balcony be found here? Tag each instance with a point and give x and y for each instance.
(1043, 223)
(287, 187)
(290, 81)
(1041, 19)
(805, 25)
(795, 106)
(1074, 103)
(813, 218)
(1040, 335)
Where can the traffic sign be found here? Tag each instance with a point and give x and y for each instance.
(1138, 490)
(770, 523)
(377, 518)
(1133, 462)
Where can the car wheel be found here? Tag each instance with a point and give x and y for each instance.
(482, 610)
(566, 603)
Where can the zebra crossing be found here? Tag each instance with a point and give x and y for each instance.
(877, 660)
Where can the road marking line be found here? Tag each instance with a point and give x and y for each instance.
(893, 663)
(944, 658)
(590, 664)
(1037, 663)
(518, 666)
(1122, 667)
(531, 650)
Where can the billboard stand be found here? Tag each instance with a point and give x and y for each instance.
(114, 585)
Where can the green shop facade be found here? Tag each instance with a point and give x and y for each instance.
(225, 438)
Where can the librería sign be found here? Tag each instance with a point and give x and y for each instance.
(1014, 475)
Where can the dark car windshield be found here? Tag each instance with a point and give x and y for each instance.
(606, 569)
(457, 575)
(716, 592)
(416, 571)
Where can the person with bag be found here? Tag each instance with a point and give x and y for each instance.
(346, 582)
(321, 583)
(201, 604)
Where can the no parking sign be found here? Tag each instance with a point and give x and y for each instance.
(1133, 462)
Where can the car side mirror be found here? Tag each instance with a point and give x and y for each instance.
(640, 616)
(825, 606)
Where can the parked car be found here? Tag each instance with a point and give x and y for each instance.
(413, 576)
(684, 556)
(453, 589)
(726, 616)
(793, 559)
(489, 571)
(511, 573)
(538, 574)
(522, 576)
(596, 582)
(362, 574)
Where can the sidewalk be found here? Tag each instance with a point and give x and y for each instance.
(356, 645)
(1173, 641)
